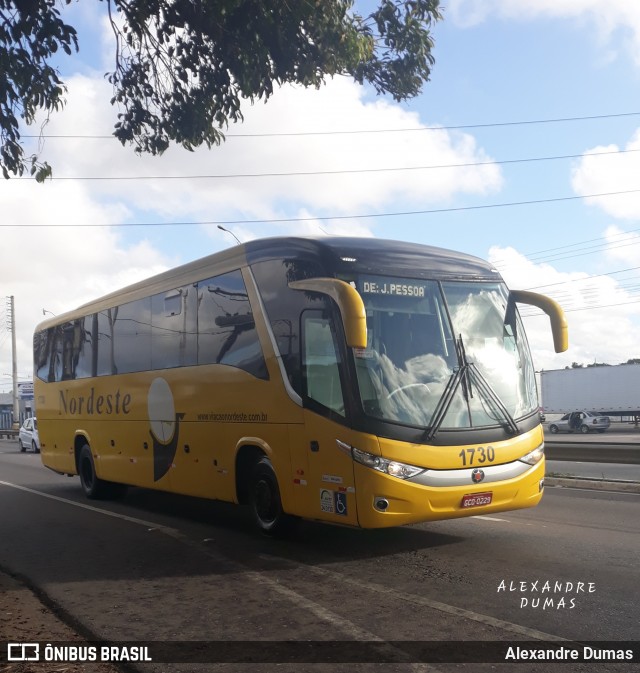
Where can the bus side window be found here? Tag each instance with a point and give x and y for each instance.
(320, 362)
(42, 343)
(174, 328)
(131, 333)
(226, 329)
(55, 359)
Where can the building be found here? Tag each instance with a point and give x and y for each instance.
(25, 405)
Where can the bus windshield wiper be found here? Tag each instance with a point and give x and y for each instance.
(445, 402)
(490, 394)
(484, 388)
(460, 376)
(465, 374)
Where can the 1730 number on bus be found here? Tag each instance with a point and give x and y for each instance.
(477, 456)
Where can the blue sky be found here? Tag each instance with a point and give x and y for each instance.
(497, 62)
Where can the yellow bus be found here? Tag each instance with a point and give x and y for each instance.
(360, 382)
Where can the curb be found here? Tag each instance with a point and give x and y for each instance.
(594, 484)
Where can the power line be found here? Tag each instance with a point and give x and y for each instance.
(221, 176)
(544, 253)
(358, 216)
(525, 122)
(586, 278)
(584, 308)
(581, 253)
(587, 298)
(572, 303)
(560, 292)
(549, 254)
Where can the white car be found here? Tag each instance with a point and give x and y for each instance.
(28, 436)
(580, 421)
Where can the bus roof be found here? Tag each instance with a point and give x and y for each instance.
(338, 254)
(374, 255)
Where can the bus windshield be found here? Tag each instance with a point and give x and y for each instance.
(447, 355)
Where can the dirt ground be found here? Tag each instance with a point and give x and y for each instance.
(25, 619)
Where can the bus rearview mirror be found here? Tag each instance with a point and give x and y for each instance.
(349, 301)
(559, 327)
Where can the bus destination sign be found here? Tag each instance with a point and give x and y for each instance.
(395, 287)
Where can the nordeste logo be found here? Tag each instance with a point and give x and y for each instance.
(164, 425)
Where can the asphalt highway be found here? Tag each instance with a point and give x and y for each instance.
(167, 569)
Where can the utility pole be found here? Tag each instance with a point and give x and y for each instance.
(14, 362)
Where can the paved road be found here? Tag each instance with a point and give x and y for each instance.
(165, 568)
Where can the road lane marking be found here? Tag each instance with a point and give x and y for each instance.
(342, 624)
(426, 602)
(346, 626)
(489, 518)
(141, 522)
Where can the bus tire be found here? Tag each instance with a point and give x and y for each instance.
(264, 500)
(94, 487)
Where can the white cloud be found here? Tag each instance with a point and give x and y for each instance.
(59, 268)
(603, 313)
(611, 173)
(622, 247)
(339, 106)
(619, 18)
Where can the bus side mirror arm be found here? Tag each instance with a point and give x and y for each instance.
(556, 315)
(349, 301)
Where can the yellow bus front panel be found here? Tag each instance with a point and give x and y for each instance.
(385, 501)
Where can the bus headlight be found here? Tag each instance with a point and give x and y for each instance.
(390, 467)
(534, 457)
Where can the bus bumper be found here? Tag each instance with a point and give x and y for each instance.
(384, 501)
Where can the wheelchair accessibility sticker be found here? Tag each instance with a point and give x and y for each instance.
(333, 502)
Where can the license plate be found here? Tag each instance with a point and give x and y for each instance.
(476, 499)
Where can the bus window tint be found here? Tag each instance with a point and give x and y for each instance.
(76, 350)
(63, 352)
(494, 342)
(82, 351)
(174, 326)
(284, 307)
(410, 355)
(412, 331)
(132, 336)
(320, 362)
(226, 328)
(104, 342)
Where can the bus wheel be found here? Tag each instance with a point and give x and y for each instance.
(264, 497)
(93, 487)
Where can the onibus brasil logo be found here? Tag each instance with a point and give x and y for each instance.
(164, 424)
